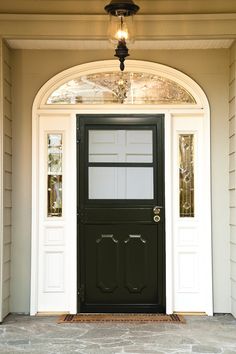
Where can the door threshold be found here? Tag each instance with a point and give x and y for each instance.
(190, 313)
(52, 313)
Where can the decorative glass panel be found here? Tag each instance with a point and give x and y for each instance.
(55, 195)
(186, 175)
(54, 179)
(116, 87)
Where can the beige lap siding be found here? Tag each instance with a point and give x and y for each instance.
(6, 183)
(232, 173)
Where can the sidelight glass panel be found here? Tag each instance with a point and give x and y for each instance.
(186, 175)
(121, 146)
(55, 195)
(54, 178)
(121, 183)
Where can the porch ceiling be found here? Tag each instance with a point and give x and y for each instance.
(97, 6)
(94, 27)
(83, 20)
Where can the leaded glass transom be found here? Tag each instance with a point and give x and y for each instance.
(116, 87)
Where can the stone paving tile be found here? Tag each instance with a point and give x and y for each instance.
(205, 349)
(42, 335)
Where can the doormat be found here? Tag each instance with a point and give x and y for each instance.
(133, 318)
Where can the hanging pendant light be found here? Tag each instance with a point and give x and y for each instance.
(121, 27)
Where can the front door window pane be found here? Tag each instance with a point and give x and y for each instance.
(121, 146)
(121, 183)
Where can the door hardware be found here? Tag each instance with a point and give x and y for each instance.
(156, 218)
(156, 210)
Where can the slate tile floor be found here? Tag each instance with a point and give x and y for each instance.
(39, 335)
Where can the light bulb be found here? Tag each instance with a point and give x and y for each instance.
(121, 34)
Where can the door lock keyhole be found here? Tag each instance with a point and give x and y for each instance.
(156, 212)
(156, 218)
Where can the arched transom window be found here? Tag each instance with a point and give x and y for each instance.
(115, 87)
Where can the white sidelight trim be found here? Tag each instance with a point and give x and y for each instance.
(51, 113)
(56, 237)
(168, 212)
(192, 280)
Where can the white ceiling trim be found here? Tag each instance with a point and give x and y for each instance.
(69, 44)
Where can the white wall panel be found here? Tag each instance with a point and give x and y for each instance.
(188, 272)
(54, 236)
(54, 268)
(187, 236)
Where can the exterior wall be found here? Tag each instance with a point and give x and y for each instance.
(6, 182)
(1, 186)
(31, 69)
(232, 173)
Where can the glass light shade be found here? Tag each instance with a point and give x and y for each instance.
(121, 28)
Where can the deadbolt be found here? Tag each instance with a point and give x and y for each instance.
(156, 210)
(156, 218)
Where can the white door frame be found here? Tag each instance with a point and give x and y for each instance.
(42, 110)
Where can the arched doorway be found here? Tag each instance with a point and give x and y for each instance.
(98, 89)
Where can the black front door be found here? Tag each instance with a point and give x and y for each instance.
(121, 236)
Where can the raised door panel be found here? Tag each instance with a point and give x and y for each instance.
(107, 263)
(188, 272)
(54, 272)
(122, 267)
(136, 264)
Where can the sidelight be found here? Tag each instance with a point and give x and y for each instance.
(186, 175)
(54, 177)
